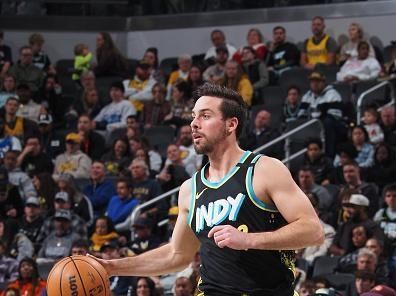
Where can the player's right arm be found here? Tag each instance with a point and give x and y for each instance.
(174, 256)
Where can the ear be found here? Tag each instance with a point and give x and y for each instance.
(231, 124)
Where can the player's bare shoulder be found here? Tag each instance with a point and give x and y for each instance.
(185, 195)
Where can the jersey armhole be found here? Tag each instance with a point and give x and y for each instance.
(249, 188)
(192, 198)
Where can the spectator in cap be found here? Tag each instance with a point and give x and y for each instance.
(73, 161)
(8, 266)
(92, 143)
(184, 63)
(104, 233)
(145, 239)
(11, 203)
(218, 40)
(325, 103)
(215, 73)
(62, 201)
(53, 142)
(113, 116)
(7, 88)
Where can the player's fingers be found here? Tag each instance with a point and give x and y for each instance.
(215, 229)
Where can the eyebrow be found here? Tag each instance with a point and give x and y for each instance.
(203, 110)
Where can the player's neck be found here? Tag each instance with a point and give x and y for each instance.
(222, 160)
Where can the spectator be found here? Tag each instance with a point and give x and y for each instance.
(346, 153)
(191, 160)
(32, 221)
(215, 73)
(11, 203)
(234, 79)
(5, 56)
(7, 143)
(384, 168)
(383, 264)
(100, 190)
(52, 140)
(195, 78)
(40, 58)
(133, 129)
(157, 108)
(320, 48)
(324, 102)
(80, 247)
(33, 160)
(291, 108)
(371, 124)
(218, 40)
(14, 125)
(73, 161)
(155, 159)
(145, 240)
(320, 164)
(8, 89)
(145, 286)
(17, 177)
(27, 108)
(82, 60)
(368, 261)
(8, 266)
(388, 124)
(117, 159)
(114, 115)
(89, 103)
(104, 233)
(360, 68)
(283, 55)
(181, 105)
(307, 288)
(25, 72)
(254, 39)
(183, 286)
(350, 49)
(263, 133)
(110, 61)
(381, 290)
(151, 57)
(184, 62)
(59, 242)
(28, 281)
(122, 204)
(391, 66)
(88, 82)
(360, 140)
(46, 189)
(364, 282)
(92, 143)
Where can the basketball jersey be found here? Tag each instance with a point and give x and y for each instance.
(17, 130)
(232, 201)
(317, 53)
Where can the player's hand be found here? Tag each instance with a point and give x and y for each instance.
(229, 236)
(104, 263)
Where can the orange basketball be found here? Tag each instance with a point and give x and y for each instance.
(78, 275)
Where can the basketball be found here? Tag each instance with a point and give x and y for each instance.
(78, 275)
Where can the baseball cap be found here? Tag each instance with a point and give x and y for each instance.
(358, 200)
(325, 292)
(317, 76)
(32, 201)
(143, 222)
(143, 64)
(63, 214)
(119, 85)
(44, 119)
(73, 137)
(222, 49)
(64, 196)
(109, 244)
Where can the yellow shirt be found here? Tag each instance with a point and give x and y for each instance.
(17, 130)
(245, 89)
(317, 53)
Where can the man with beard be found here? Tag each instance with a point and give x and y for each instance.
(191, 160)
(245, 225)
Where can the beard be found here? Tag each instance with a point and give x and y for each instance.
(186, 141)
(207, 145)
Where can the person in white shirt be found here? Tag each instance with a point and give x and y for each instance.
(374, 130)
(219, 40)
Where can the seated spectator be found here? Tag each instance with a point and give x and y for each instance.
(371, 124)
(104, 233)
(350, 48)
(100, 190)
(113, 115)
(62, 202)
(88, 82)
(368, 261)
(383, 266)
(53, 140)
(215, 73)
(195, 78)
(25, 72)
(80, 247)
(33, 159)
(81, 205)
(8, 266)
(360, 140)
(59, 242)
(324, 102)
(184, 63)
(8, 89)
(133, 129)
(11, 203)
(234, 79)
(32, 221)
(384, 168)
(138, 89)
(283, 55)
(364, 282)
(117, 159)
(40, 58)
(183, 286)
(46, 188)
(17, 177)
(307, 288)
(151, 57)
(27, 108)
(5, 56)
(89, 103)
(388, 124)
(17, 245)
(15, 125)
(218, 40)
(254, 39)
(122, 204)
(391, 67)
(144, 286)
(346, 152)
(119, 285)
(110, 62)
(262, 133)
(181, 105)
(320, 164)
(7, 143)
(73, 161)
(291, 108)
(145, 240)
(157, 108)
(82, 60)
(155, 159)
(360, 68)
(320, 48)
(92, 143)
(28, 281)
(381, 290)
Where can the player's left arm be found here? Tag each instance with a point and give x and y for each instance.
(273, 181)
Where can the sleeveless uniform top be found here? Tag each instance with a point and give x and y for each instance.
(17, 130)
(231, 201)
(317, 53)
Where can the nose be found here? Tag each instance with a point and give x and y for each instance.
(194, 123)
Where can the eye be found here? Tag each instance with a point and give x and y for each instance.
(205, 116)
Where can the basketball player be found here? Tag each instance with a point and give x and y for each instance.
(243, 211)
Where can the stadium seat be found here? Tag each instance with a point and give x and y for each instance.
(160, 137)
(388, 53)
(348, 106)
(295, 76)
(64, 67)
(324, 265)
(274, 98)
(339, 281)
(103, 83)
(298, 140)
(329, 71)
(377, 97)
(132, 66)
(167, 66)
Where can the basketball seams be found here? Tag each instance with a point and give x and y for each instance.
(79, 275)
(100, 275)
